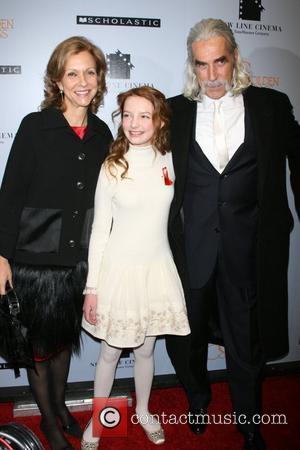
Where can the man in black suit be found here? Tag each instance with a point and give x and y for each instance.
(230, 221)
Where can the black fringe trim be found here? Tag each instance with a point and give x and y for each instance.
(51, 305)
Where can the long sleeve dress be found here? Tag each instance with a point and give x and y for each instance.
(139, 292)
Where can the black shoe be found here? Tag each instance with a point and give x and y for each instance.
(254, 441)
(55, 438)
(73, 429)
(197, 420)
(69, 424)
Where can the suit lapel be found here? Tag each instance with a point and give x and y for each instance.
(181, 136)
(261, 119)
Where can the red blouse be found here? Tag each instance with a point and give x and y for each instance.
(80, 131)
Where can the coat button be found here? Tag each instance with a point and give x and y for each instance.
(71, 243)
(75, 214)
(81, 156)
(80, 185)
(217, 230)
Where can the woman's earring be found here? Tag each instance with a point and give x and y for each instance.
(61, 94)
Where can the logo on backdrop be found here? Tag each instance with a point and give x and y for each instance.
(126, 361)
(120, 69)
(252, 15)
(251, 9)
(118, 21)
(10, 70)
(119, 65)
(4, 366)
(268, 81)
(5, 26)
(6, 136)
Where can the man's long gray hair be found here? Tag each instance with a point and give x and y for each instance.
(204, 30)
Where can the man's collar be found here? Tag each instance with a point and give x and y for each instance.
(228, 101)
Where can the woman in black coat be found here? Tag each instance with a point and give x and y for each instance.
(46, 211)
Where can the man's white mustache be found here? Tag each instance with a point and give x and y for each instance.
(214, 84)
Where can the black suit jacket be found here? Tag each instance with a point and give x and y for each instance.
(277, 135)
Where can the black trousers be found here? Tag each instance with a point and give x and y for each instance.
(235, 309)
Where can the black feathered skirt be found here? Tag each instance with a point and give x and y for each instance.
(51, 305)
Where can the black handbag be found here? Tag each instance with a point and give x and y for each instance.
(15, 347)
(16, 436)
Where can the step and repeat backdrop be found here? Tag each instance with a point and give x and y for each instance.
(145, 44)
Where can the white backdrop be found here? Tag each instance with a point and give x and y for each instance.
(141, 54)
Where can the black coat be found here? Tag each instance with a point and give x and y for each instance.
(278, 137)
(47, 193)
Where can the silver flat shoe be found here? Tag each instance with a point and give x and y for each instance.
(85, 445)
(156, 437)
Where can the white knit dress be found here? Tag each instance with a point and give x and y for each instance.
(139, 292)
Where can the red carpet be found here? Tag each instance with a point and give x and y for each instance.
(281, 396)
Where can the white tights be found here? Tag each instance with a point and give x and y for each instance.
(143, 376)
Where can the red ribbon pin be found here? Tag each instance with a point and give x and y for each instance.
(167, 180)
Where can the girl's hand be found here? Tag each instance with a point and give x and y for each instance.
(89, 308)
(5, 275)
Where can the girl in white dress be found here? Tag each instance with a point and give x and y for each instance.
(133, 291)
